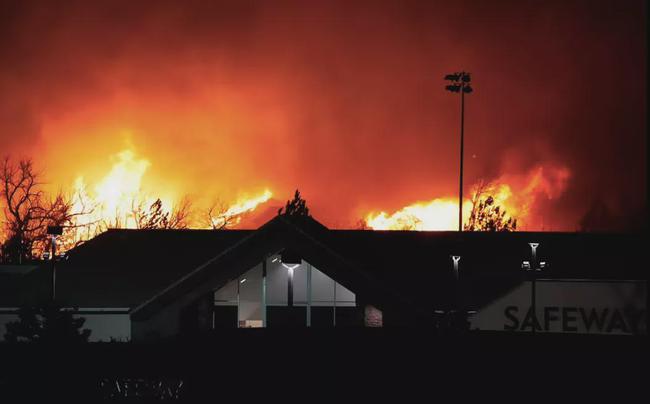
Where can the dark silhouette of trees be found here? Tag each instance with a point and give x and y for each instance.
(180, 216)
(295, 207)
(156, 218)
(486, 215)
(218, 217)
(48, 323)
(152, 218)
(28, 211)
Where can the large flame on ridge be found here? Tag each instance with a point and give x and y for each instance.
(240, 207)
(438, 214)
(111, 201)
(516, 194)
(115, 194)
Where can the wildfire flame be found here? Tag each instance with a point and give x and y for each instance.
(112, 200)
(114, 195)
(240, 207)
(438, 214)
(442, 213)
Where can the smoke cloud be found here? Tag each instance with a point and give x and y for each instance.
(344, 100)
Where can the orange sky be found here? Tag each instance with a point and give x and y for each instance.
(345, 102)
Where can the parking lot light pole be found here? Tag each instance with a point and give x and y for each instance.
(54, 231)
(533, 268)
(458, 302)
(460, 83)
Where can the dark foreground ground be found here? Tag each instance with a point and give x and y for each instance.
(337, 365)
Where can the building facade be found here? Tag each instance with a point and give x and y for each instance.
(145, 285)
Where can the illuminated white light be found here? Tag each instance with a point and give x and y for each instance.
(455, 258)
(274, 259)
(533, 245)
(525, 265)
(243, 280)
(290, 267)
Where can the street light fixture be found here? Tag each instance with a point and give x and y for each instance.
(533, 268)
(290, 269)
(457, 300)
(460, 83)
(457, 315)
(54, 231)
(455, 259)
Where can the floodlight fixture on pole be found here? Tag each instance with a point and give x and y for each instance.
(455, 259)
(532, 267)
(533, 247)
(458, 311)
(54, 231)
(290, 269)
(460, 83)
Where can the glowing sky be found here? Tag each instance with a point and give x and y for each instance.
(344, 100)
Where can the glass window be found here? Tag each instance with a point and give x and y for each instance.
(322, 289)
(226, 295)
(344, 297)
(250, 298)
(300, 284)
(277, 280)
(245, 296)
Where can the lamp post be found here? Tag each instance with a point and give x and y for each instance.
(458, 312)
(460, 83)
(457, 300)
(455, 259)
(533, 268)
(54, 231)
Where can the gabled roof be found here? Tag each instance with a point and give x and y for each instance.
(299, 234)
(123, 268)
(415, 267)
(149, 268)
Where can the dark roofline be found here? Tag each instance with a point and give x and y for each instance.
(198, 269)
(365, 256)
(372, 286)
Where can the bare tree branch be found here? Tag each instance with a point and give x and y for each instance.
(217, 217)
(181, 214)
(27, 212)
(485, 214)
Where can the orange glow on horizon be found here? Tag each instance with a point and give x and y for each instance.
(441, 214)
(111, 202)
(217, 103)
(438, 214)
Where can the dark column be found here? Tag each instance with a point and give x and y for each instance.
(204, 311)
(290, 289)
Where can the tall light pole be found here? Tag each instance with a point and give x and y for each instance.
(54, 231)
(458, 306)
(533, 268)
(459, 315)
(460, 83)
